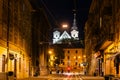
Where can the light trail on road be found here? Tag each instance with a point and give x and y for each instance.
(65, 77)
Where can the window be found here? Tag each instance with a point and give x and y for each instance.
(15, 67)
(3, 63)
(76, 51)
(20, 64)
(76, 63)
(68, 51)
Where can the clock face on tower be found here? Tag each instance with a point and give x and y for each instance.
(74, 34)
(56, 34)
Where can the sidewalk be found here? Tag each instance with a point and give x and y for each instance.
(92, 78)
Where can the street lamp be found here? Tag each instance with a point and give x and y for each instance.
(65, 26)
(50, 52)
(50, 58)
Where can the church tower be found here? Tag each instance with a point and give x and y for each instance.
(74, 32)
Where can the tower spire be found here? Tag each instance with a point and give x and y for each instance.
(74, 27)
(74, 31)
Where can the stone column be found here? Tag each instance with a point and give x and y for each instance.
(43, 61)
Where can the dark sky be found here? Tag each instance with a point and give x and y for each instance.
(61, 11)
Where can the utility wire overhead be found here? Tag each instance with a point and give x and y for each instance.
(50, 13)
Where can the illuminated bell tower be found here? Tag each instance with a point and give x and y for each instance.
(74, 32)
(56, 36)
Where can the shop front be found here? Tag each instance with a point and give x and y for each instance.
(14, 64)
(111, 60)
(99, 63)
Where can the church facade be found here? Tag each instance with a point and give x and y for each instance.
(58, 36)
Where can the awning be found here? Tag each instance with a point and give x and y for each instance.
(105, 44)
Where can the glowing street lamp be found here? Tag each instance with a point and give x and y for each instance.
(50, 52)
(64, 25)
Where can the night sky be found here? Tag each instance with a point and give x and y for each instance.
(61, 11)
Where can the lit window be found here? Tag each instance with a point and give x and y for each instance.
(79, 57)
(74, 57)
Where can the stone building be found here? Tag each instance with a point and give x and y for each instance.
(40, 29)
(15, 37)
(41, 36)
(102, 37)
(74, 58)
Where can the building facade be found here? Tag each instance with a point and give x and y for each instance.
(74, 58)
(102, 32)
(41, 36)
(15, 37)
